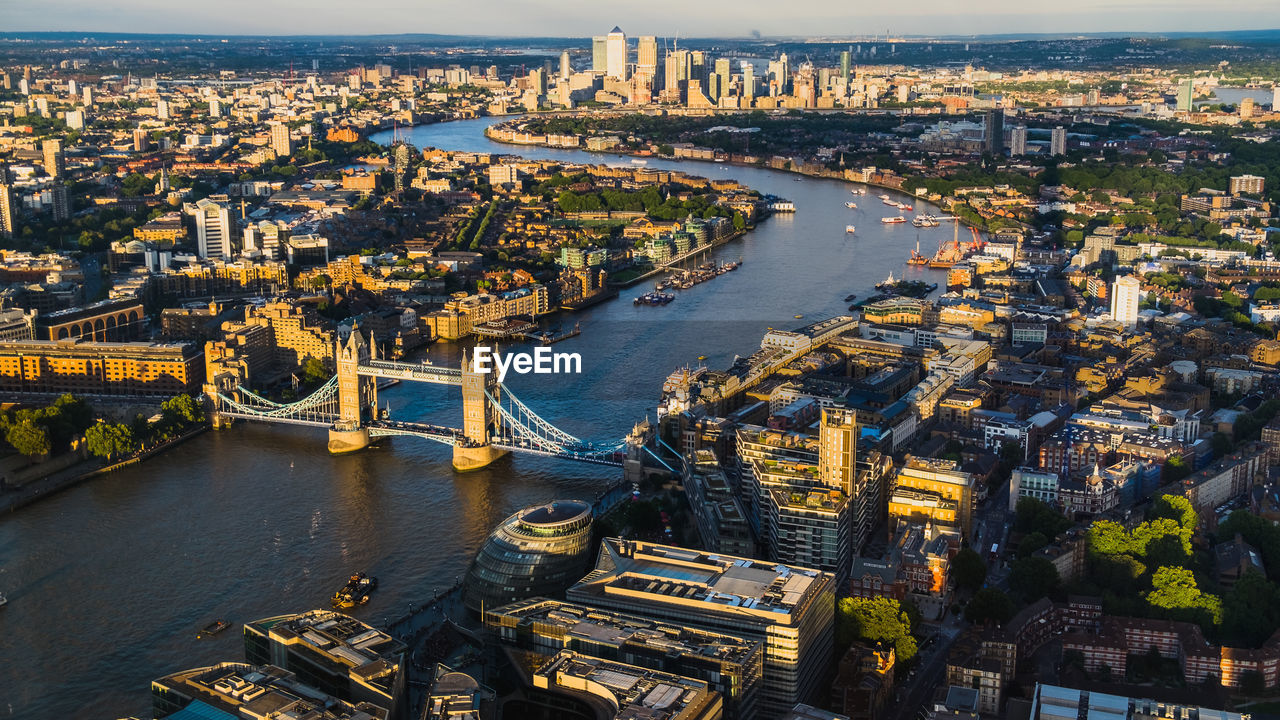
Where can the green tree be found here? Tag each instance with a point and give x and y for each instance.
(1032, 543)
(314, 371)
(876, 620)
(969, 569)
(1033, 577)
(108, 440)
(1174, 590)
(28, 438)
(989, 604)
(182, 409)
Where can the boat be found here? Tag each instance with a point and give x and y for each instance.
(904, 206)
(857, 191)
(925, 221)
(214, 628)
(893, 220)
(888, 283)
(851, 205)
(884, 197)
(799, 317)
(949, 253)
(702, 357)
(848, 229)
(850, 297)
(655, 298)
(356, 592)
(3, 600)
(916, 258)
(638, 161)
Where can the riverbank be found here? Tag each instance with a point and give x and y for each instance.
(791, 168)
(11, 501)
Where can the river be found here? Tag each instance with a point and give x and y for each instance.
(108, 582)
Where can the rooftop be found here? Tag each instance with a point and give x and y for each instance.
(720, 584)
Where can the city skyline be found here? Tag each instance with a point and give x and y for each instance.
(574, 18)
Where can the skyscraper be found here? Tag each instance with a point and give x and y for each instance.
(1058, 141)
(55, 163)
(748, 82)
(564, 65)
(993, 139)
(280, 141)
(647, 56)
(599, 53)
(722, 78)
(7, 217)
(1126, 294)
(1185, 94)
(1018, 141)
(844, 65)
(616, 54)
(215, 108)
(213, 228)
(162, 109)
(60, 202)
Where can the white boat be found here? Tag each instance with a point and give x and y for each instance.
(857, 191)
(851, 205)
(848, 229)
(638, 161)
(893, 220)
(884, 197)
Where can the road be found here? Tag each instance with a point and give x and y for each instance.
(992, 525)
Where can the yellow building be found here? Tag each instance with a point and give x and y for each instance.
(77, 366)
(894, 311)
(928, 489)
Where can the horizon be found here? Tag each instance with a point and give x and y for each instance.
(717, 19)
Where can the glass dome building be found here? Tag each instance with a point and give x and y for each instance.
(538, 552)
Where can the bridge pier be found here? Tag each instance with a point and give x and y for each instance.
(475, 458)
(348, 441)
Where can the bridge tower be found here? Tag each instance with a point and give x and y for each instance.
(356, 395)
(479, 419)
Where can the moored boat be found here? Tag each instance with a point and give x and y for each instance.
(356, 592)
(849, 229)
(893, 220)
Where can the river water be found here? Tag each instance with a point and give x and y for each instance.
(108, 582)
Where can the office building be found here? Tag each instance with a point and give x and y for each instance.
(1018, 141)
(1058, 141)
(844, 65)
(993, 132)
(647, 56)
(59, 202)
(623, 691)
(333, 653)
(55, 163)
(1126, 295)
(565, 68)
(537, 552)
(1252, 184)
(790, 609)
(8, 206)
(99, 368)
(228, 691)
(1185, 94)
(599, 53)
(616, 55)
(1059, 703)
(213, 228)
(932, 490)
(280, 141)
(731, 665)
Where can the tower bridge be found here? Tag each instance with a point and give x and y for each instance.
(494, 421)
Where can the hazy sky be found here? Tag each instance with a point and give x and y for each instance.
(722, 18)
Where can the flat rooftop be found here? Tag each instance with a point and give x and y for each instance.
(724, 584)
(617, 629)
